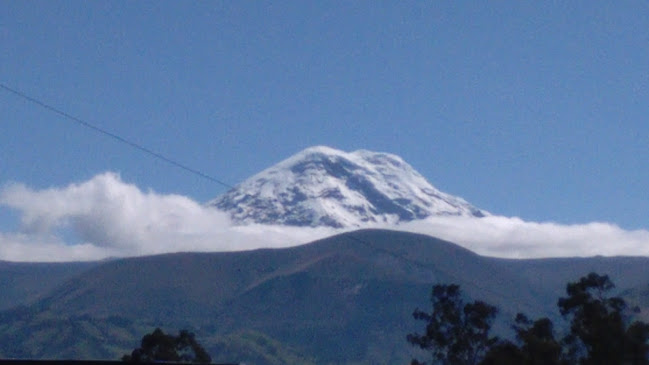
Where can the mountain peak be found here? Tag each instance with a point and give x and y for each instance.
(322, 186)
(326, 150)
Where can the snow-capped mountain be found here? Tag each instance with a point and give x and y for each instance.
(322, 186)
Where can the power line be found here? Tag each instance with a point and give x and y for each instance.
(114, 136)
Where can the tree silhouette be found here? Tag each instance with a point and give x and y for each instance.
(456, 333)
(538, 345)
(599, 333)
(160, 347)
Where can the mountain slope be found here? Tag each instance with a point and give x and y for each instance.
(23, 282)
(321, 186)
(343, 299)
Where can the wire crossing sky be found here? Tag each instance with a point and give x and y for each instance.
(114, 136)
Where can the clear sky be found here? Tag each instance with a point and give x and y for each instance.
(531, 109)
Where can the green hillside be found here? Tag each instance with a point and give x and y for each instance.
(344, 299)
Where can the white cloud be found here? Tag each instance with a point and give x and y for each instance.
(113, 218)
(109, 217)
(30, 247)
(515, 238)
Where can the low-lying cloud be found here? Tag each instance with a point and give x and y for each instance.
(106, 217)
(514, 238)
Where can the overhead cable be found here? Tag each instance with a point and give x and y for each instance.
(114, 136)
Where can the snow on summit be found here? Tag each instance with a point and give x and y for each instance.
(322, 186)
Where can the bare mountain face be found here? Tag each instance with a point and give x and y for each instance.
(322, 186)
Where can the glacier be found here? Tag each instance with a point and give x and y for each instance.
(323, 186)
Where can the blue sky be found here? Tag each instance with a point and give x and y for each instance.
(526, 109)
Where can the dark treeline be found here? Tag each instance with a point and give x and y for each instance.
(158, 346)
(602, 330)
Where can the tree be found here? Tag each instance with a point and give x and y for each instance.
(537, 345)
(158, 346)
(601, 330)
(456, 333)
(599, 333)
(504, 353)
